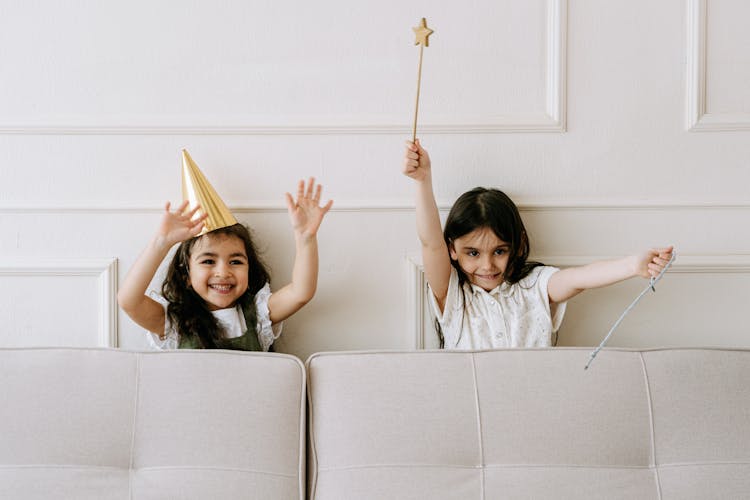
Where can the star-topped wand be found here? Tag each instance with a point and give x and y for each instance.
(422, 33)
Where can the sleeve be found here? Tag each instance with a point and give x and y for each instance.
(171, 338)
(450, 320)
(557, 310)
(267, 332)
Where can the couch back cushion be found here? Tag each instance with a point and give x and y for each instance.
(530, 424)
(110, 424)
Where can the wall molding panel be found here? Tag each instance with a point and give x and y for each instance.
(698, 119)
(552, 120)
(375, 206)
(103, 270)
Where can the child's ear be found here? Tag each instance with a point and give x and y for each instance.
(452, 250)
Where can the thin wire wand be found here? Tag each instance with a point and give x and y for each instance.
(651, 286)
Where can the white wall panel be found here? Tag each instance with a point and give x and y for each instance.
(58, 303)
(280, 67)
(718, 65)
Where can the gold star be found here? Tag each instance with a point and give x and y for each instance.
(422, 32)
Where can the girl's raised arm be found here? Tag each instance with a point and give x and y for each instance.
(306, 215)
(435, 256)
(175, 227)
(570, 282)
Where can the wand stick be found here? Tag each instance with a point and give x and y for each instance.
(416, 102)
(651, 287)
(422, 33)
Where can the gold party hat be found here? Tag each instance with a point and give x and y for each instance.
(198, 191)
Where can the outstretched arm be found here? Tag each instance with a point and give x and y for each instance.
(435, 256)
(305, 214)
(570, 282)
(175, 227)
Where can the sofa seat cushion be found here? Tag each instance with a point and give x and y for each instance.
(112, 424)
(528, 423)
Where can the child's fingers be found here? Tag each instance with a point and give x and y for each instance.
(663, 251)
(409, 167)
(190, 213)
(290, 205)
(198, 226)
(410, 163)
(197, 221)
(327, 207)
(301, 189)
(411, 146)
(310, 185)
(318, 190)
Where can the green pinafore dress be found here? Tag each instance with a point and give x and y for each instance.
(248, 341)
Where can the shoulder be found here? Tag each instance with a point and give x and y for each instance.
(266, 330)
(261, 298)
(536, 281)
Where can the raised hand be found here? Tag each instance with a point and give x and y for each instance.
(416, 161)
(305, 213)
(179, 225)
(651, 262)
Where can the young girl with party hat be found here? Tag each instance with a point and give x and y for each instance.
(484, 291)
(216, 293)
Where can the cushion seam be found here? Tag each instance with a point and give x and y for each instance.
(479, 425)
(135, 423)
(651, 425)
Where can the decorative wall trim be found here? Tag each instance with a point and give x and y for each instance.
(553, 120)
(263, 206)
(105, 270)
(417, 289)
(698, 120)
(418, 308)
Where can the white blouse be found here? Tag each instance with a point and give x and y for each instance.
(517, 315)
(232, 320)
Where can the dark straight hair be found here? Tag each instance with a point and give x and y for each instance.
(493, 209)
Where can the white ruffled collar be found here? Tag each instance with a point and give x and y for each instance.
(232, 321)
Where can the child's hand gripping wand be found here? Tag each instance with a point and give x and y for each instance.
(651, 287)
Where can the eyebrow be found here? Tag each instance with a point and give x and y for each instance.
(212, 254)
(499, 246)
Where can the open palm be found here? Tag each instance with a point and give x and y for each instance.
(179, 225)
(305, 213)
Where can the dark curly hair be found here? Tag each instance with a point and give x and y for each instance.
(186, 309)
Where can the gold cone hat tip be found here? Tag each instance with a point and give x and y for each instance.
(198, 191)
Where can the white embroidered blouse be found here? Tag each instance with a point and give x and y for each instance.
(517, 315)
(232, 320)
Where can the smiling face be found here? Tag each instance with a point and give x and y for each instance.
(482, 256)
(218, 270)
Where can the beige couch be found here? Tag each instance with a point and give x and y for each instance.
(109, 424)
(530, 424)
(104, 424)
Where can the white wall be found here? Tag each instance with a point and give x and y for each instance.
(614, 125)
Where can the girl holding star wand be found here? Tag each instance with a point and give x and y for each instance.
(484, 291)
(216, 293)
